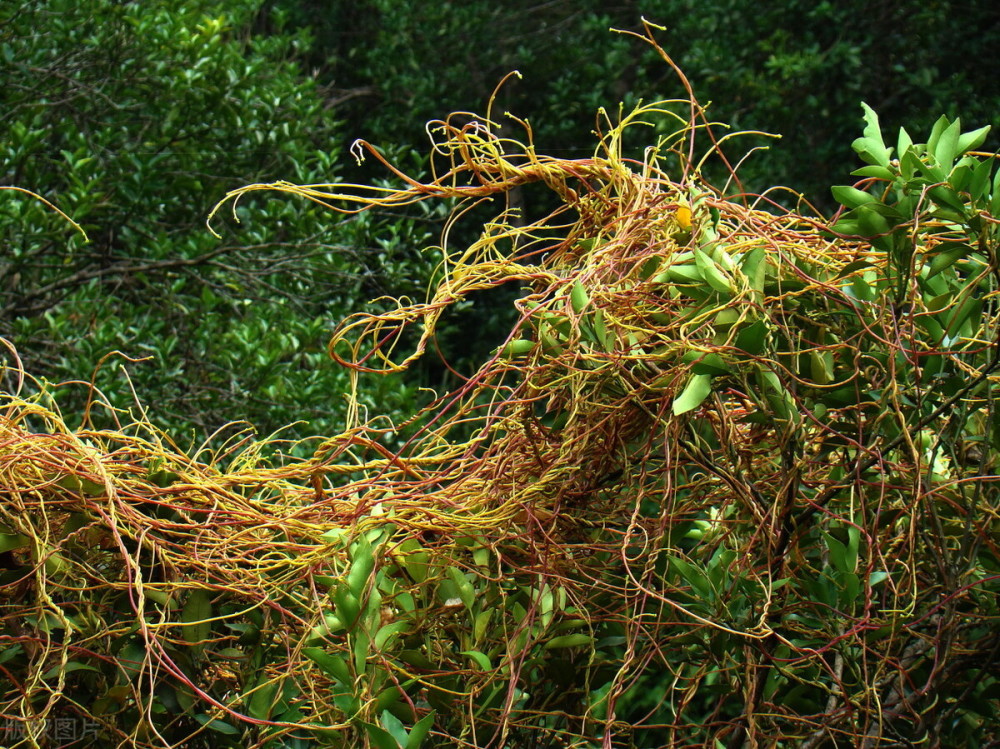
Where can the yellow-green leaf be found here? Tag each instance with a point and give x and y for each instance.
(698, 388)
(578, 297)
(480, 658)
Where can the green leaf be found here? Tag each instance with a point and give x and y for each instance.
(517, 347)
(980, 181)
(945, 148)
(466, 592)
(389, 699)
(480, 658)
(847, 225)
(10, 652)
(752, 338)
(910, 165)
(871, 147)
(946, 254)
(161, 597)
(935, 304)
(332, 665)
(933, 329)
(263, 698)
(945, 196)
(575, 640)
(395, 727)
(388, 634)
(601, 331)
(578, 297)
(694, 577)
(163, 478)
(698, 388)
(69, 668)
(706, 363)
(873, 130)
(481, 623)
(851, 197)
(940, 125)
(862, 290)
(851, 267)
(959, 178)
(346, 605)
(218, 725)
(877, 576)
(853, 545)
(852, 588)
(680, 273)
(973, 139)
(10, 541)
(754, 267)
(197, 609)
(934, 171)
(334, 536)
(417, 659)
(838, 554)
(778, 398)
(880, 172)
(362, 646)
(713, 275)
(871, 222)
(381, 738)
(83, 485)
(414, 560)
(349, 704)
(362, 564)
(419, 731)
(649, 266)
(132, 657)
(967, 309)
(821, 367)
(903, 143)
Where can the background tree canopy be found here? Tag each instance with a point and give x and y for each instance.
(798, 69)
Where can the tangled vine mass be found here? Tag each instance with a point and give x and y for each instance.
(730, 481)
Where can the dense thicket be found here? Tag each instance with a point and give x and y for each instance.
(137, 117)
(730, 482)
(730, 478)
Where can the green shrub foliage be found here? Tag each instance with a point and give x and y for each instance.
(135, 117)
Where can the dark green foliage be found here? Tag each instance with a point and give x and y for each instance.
(799, 69)
(136, 118)
(394, 66)
(794, 68)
